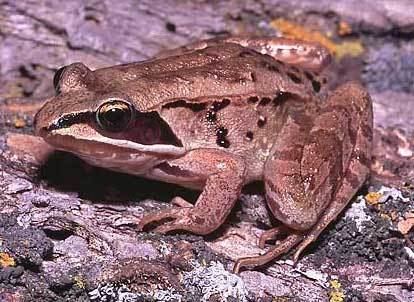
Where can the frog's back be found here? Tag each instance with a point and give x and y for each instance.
(218, 71)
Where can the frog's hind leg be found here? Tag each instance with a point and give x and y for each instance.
(307, 55)
(357, 169)
(319, 161)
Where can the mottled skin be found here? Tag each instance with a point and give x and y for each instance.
(215, 115)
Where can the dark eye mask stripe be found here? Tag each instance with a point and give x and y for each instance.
(71, 119)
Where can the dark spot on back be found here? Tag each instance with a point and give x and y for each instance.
(185, 104)
(269, 66)
(249, 135)
(223, 143)
(253, 99)
(222, 140)
(309, 76)
(211, 116)
(264, 101)
(316, 86)
(217, 106)
(262, 121)
(294, 77)
(253, 76)
(280, 97)
(222, 132)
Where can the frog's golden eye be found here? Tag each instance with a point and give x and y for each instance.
(56, 79)
(114, 115)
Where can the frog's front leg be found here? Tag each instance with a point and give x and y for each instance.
(318, 163)
(223, 175)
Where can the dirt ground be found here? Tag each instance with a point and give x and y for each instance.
(68, 230)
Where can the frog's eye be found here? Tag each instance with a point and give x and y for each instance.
(56, 79)
(114, 115)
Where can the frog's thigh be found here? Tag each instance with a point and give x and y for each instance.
(315, 159)
(308, 55)
(353, 99)
(224, 174)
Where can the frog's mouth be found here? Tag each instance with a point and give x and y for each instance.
(112, 153)
(97, 145)
(147, 141)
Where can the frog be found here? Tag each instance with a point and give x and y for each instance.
(214, 116)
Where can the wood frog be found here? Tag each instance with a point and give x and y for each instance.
(218, 114)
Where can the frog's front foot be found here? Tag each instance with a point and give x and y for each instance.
(224, 175)
(177, 219)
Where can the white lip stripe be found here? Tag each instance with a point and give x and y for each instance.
(156, 148)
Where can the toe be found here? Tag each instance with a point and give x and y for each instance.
(162, 215)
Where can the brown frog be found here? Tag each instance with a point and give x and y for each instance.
(218, 114)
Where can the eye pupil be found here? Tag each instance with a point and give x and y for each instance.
(114, 115)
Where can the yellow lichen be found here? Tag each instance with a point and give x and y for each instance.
(295, 31)
(79, 282)
(385, 216)
(352, 48)
(335, 284)
(336, 294)
(6, 260)
(280, 299)
(344, 28)
(13, 90)
(19, 122)
(373, 198)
